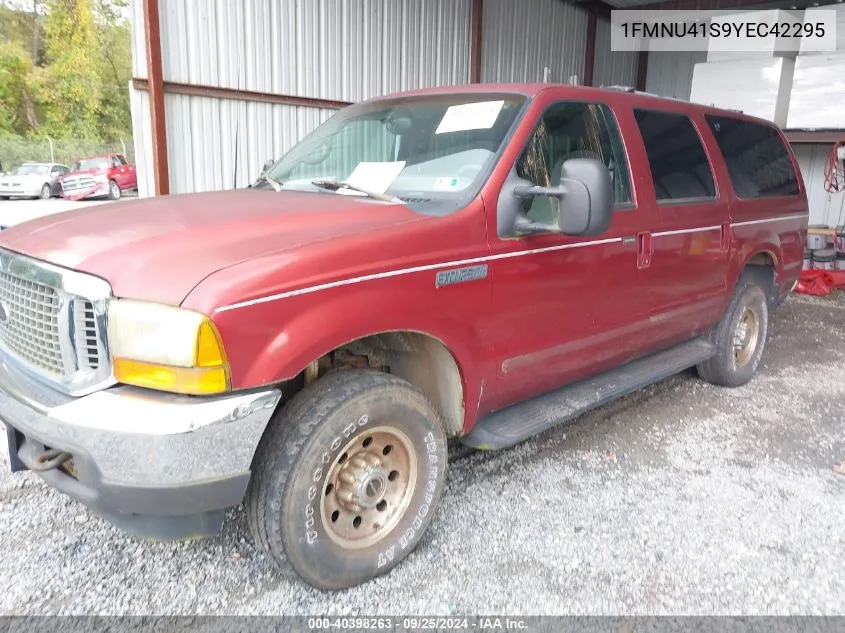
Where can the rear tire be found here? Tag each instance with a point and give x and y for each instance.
(347, 478)
(114, 190)
(740, 337)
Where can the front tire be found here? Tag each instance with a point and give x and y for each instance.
(46, 192)
(347, 478)
(740, 337)
(114, 190)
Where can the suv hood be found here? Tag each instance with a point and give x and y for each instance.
(159, 249)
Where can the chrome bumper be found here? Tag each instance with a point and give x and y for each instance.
(21, 192)
(138, 452)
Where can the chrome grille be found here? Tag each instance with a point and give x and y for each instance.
(31, 326)
(53, 324)
(85, 332)
(79, 182)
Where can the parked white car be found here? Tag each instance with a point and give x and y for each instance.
(33, 180)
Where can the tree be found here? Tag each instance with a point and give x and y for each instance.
(65, 67)
(72, 90)
(16, 112)
(114, 42)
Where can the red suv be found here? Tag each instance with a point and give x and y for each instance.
(107, 175)
(480, 263)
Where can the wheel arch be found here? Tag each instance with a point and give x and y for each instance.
(424, 360)
(763, 266)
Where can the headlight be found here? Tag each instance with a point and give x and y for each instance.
(166, 348)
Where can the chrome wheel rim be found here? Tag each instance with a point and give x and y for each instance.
(369, 487)
(45, 192)
(115, 190)
(746, 337)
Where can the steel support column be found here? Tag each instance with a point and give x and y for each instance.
(152, 36)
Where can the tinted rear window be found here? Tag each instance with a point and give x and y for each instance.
(679, 166)
(758, 162)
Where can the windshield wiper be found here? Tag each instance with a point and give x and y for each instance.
(277, 185)
(335, 185)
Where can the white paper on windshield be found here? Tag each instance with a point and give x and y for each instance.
(375, 177)
(470, 116)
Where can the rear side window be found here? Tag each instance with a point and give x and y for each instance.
(679, 166)
(758, 162)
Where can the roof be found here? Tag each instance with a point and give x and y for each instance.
(620, 94)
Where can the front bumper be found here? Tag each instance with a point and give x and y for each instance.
(95, 190)
(22, 192)
(155, 464)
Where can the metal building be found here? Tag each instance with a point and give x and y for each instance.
(220, 86)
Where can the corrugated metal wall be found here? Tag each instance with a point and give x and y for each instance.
(669, 74)
(346, 50)
(523, 37)
(825, 208)
(612, 68)
(221, 144)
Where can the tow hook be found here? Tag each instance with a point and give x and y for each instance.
(50, 459)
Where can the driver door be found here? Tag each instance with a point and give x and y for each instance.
(567, 307)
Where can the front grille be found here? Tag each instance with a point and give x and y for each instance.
(31, 327)
(85, 332)
(57, 335)
(79, 182)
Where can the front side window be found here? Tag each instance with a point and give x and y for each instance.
(432, 152)
(570, 130)
(31, 169)
(679, 166)
(758, 162)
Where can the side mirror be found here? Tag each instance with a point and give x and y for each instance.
(582, 203)
(267, 166)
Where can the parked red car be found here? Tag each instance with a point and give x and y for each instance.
(107, 175)
(479, 263)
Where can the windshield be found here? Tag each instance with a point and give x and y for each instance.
(101, 162)
(432, 152)
(32, 170)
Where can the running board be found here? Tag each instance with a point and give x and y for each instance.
(520, 421)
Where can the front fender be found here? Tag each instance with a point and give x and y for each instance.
(274, 341)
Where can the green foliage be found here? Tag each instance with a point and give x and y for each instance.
(72, 89)
(15, 69)
(65, 67)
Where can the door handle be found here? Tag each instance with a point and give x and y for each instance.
(645, 249)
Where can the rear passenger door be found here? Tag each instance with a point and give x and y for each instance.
(688, 231)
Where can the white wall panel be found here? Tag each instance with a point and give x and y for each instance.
(613, 68)
(139, 103)
(215, 144)
(669, 74)
(139, 50)
(825, 208)
(523, 37)
(347, 50)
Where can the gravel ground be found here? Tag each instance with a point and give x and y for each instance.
(679, 499)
